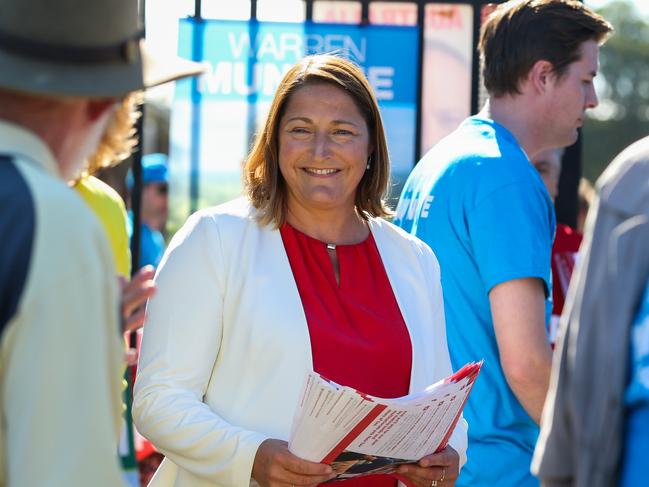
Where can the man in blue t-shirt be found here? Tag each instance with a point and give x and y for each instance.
(479, 203)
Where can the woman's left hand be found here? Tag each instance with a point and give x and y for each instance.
(438, 469)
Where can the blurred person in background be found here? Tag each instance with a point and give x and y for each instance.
(154, 207)
(566, 240)
(66, 66)
(595, 429)
(548, 164)
(476, 199)
(586, 194)
(302, 274)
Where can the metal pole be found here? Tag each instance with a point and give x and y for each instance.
(567, 202)
(196, 119)
(421, 10)
(129, 460)
(136, 171)
(365, 12)
(136, 194)
(253, 96)
(475, 65)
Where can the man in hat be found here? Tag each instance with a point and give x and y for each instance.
(64, 67)
(154, 206)
(478, 202)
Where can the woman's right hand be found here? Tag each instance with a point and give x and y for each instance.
(276, 466)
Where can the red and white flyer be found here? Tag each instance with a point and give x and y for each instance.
(363, 435)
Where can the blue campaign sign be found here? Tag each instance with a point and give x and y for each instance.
(214, 116)
(248, 58)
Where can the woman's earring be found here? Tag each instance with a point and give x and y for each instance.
(369, 163)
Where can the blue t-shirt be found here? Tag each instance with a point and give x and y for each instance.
(635, 468)
(152, 243)
(152, 246)
(479, 203)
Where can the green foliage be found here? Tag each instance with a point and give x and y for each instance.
(603, 140)
(624, 91)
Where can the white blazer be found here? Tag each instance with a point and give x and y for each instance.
(226, 344)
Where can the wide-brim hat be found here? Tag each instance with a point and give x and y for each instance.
(90, 48)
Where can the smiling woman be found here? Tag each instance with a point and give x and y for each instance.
(302, 275)
(324, 151)
(323, 103)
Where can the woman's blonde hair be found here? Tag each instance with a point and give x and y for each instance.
(263, 181)
(119, 139)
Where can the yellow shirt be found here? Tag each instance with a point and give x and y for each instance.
(108, 206)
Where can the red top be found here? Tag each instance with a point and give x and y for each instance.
(358, 336)
(564, 250)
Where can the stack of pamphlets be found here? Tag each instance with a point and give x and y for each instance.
(363, 435)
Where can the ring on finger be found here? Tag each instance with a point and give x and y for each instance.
(434, 483)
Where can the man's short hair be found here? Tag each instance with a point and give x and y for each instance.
(520, 33)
